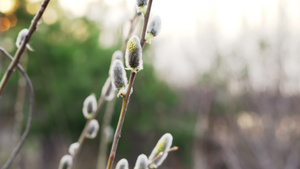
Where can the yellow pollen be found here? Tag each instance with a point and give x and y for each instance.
(131, 45)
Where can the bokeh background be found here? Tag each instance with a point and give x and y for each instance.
(222, 77)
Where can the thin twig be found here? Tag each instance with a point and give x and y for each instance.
(85, 130)
(105, 139)
(117, 135)
(133, 22)
(175, 148)
(146, 19)
(29, 120)
(19, 107)
(20, 51)
(126, 99)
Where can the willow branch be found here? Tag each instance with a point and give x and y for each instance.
(82, 137)
(117, 135)
(108, 113)
(29, 120)
(146, 19)
(20, 51)
(126, 99)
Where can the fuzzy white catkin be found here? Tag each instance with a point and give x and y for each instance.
(117, 55)
(142, 2)
(119, 79)
(141, 162)
(92, 130)
(110, 94)
(122, 164)
(73, 148)
(66, 162)
(133, 55)
(21, 37)
(154, 26)
(89, 106)
(162, 146)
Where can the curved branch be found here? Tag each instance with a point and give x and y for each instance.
(13, 64)
(29, 120)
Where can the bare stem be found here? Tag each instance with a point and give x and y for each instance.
(133, 23)
(146, 19)
(109, 111)
(175, 148)
(20, 51)
(120, 123)
(126, 99)
(29, 120)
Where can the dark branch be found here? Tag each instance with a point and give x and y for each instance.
(22, 48)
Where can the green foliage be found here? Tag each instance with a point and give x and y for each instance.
(65, 69)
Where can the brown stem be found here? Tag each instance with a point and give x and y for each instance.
(109, 110)
(29, 120)
(127, 97)
(146, 19)
(120, 123)
(13, 64)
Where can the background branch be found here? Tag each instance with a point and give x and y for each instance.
(29, 120)
(133, 23)
(85, 130)
(105, 139)
(22, 48)
(19, 109)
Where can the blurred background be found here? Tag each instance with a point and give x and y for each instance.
(222, 77)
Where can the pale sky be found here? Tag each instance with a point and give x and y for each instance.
(194, 32)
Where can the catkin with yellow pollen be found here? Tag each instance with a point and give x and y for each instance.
(133, 55)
